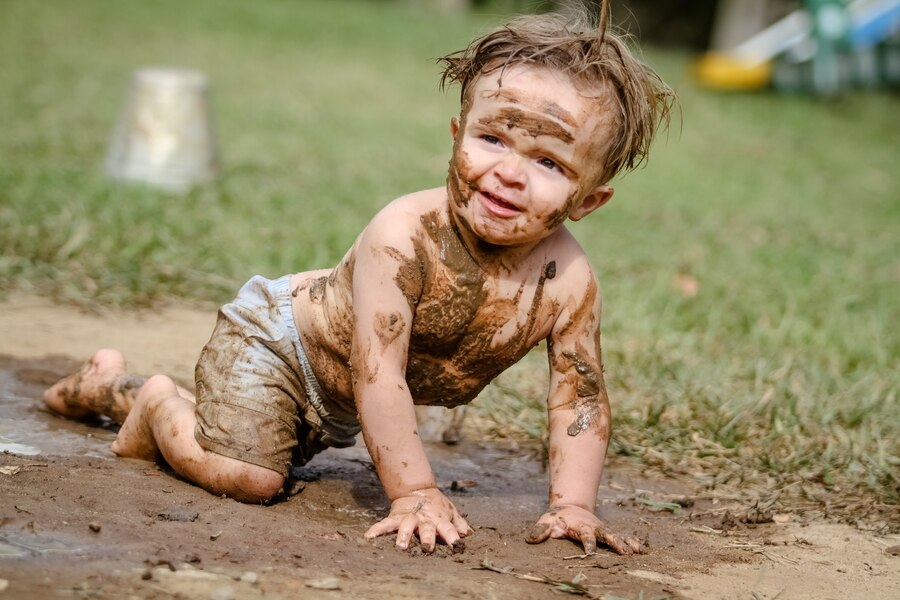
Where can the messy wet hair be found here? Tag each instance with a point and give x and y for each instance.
(583, 47)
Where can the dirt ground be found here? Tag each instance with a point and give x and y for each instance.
(77, 522)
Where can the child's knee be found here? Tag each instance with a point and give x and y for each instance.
(158, 386)
(255, 484)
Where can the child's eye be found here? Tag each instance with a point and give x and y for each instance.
(491, 139)
(549, 164)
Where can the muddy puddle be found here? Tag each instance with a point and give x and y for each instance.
(27, 428)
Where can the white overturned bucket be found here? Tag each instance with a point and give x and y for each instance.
(165, 135)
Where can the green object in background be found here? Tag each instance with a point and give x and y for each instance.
(831, 31)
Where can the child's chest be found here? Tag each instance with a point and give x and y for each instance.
(469, 326)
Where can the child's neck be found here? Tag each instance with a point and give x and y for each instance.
(492, 258)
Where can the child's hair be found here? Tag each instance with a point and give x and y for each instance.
(588, 53)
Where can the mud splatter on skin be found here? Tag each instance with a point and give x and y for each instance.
(459, 163)
(537, 533)
(581, 370)
(454, 350)
(317, 290)
(559, 216)
(550, 108)
(389, 327)
(410, 274)
(591, 408)
(328, 347)
(533, 124)
(112, 399)
(548, 272)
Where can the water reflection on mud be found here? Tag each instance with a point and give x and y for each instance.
(28, 428)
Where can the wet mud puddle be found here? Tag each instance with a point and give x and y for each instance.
(27, 428)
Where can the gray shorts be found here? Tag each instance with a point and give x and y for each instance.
(257, 398)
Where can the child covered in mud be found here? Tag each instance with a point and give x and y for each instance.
(442, 291)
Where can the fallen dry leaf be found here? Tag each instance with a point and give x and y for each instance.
(687, 285)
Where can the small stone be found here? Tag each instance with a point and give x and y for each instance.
(147, 575)
(781, 518)
(3, 585)
(94, 526)
(893, 550)
(181, 515)
(325, 583)
(249, 577)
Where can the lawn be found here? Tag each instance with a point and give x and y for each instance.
(751, 271)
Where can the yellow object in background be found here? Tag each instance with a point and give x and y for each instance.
(726, 72)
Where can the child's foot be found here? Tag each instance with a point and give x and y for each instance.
(135, 438)
(102, 386)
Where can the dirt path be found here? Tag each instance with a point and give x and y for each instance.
(77, 522)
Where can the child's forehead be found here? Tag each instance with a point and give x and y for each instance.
(554, 90)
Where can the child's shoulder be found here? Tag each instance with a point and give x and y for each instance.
(573, 272)
(399, 224)
(406, 212)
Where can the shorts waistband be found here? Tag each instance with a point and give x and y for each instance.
(336, 433)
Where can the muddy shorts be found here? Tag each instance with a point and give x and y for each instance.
(257, 398)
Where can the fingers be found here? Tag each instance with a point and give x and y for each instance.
(386, 525)
(462, 526)
(635, 544)
(405, 531)
(427, 534)
(588, 539)
(448, 533)
(539, 533)
(626, 545)
(407, 525)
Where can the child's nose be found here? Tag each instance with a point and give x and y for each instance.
(511, 170)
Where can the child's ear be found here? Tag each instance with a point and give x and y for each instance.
(600, 196)
(454, 126)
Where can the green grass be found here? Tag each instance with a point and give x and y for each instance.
(781, 373)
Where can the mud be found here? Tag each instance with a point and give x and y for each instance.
(100, 526)
(310, 545)
(410, 274)
(550, 108)
(533, 125)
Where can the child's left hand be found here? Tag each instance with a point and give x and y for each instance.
(582, 525)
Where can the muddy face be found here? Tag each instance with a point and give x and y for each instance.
(524, 155)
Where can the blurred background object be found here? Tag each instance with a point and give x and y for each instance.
(165, 135)
(825, 47)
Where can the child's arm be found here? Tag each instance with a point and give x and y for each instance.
(382, 312)
(579, 422)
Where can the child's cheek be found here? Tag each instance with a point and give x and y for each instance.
(554, 218)
(460, 181)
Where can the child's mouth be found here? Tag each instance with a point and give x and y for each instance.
(498, 206)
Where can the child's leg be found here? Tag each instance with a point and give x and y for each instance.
(102, 386)
(157, 416)
(162, 422)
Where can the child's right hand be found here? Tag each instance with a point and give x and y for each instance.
(427, 512)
